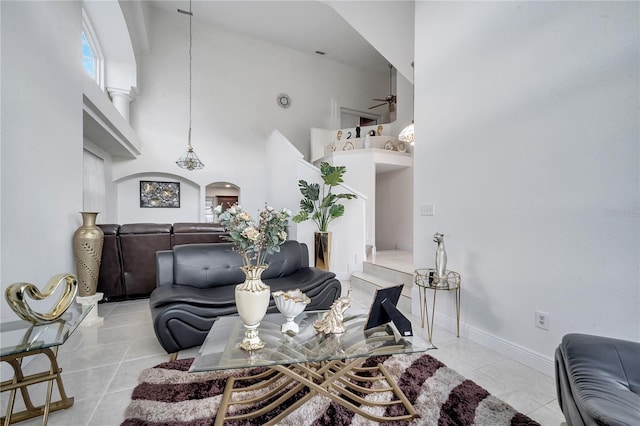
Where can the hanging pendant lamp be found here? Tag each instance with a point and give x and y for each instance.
(407, 134)
(189, 160)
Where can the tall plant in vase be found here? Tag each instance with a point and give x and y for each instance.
(322, 206)
(254, 240)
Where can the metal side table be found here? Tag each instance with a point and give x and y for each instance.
(21, 339)
(426, 279)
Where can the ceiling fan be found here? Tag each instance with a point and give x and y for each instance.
(389, 99)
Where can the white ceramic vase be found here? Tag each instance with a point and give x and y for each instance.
(252, 301)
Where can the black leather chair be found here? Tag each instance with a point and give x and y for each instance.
(196, 285)
(598, 380)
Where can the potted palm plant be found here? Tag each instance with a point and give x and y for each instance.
(322, 206)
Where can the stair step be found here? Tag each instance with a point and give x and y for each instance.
(388, 273)
(365, 279)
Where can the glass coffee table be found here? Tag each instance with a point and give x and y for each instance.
(21, 339)
(306, 362)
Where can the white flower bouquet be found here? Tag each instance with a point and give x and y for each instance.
(255, 240)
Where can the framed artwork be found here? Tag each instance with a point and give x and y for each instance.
(383, 310)
(159, 194)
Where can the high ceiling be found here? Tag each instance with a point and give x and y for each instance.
(307, 26)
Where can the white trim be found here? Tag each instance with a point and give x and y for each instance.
(537, 361)
(94, 43)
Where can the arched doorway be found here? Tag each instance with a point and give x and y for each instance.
(225, 193)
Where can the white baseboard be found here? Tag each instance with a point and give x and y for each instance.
(521, 354)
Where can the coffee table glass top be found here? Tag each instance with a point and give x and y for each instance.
(22, 336)
(221, 348)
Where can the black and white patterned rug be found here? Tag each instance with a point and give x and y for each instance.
(169, 395)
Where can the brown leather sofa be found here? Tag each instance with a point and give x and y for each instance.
(128, 268)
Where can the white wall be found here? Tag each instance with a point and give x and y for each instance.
(235, 83)
(404, 106)
(282, 177)
(527, 124)
(129, 210)
(361, 176)
(394, 210)
(110, 213)
(387, 25)
(41, 162)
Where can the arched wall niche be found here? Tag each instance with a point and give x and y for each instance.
(225, 193)
(129, 205)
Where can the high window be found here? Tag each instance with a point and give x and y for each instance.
(88, 57)
(92, 60)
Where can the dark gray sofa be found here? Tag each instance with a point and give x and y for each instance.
(196, 284)
(598, 380)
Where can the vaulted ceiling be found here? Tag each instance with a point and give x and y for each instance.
(307, 26)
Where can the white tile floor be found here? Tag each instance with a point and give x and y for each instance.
(101, 365)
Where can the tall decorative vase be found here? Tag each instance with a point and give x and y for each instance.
(87, 248)
(252, 301)
(322, 250)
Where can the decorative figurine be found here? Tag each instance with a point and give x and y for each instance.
(348, 135)
(339, 134)
(379, 130)
(441, 255)
(331, 322)
(372, 133)
(358, 132)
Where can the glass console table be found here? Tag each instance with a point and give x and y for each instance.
(20, 339)
(426, 279)
(308, 361)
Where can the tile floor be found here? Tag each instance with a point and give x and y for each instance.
(101, 365)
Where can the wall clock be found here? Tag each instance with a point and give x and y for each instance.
(283, 100)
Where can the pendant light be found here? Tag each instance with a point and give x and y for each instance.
(189, 160)
(407, 134)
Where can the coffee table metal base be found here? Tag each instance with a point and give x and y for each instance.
(336, 380)
(21, 382)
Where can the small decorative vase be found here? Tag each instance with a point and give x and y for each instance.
(252, 301)
(322, 250)
(290, 304)
(87, 248)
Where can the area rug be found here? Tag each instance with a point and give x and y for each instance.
(169, 395)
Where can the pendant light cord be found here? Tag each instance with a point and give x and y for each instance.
(190, 59)
(189, 159)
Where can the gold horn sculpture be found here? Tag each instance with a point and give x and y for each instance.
(16, 297)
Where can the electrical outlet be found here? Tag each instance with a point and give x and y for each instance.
(427, 210)
(542, 320)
